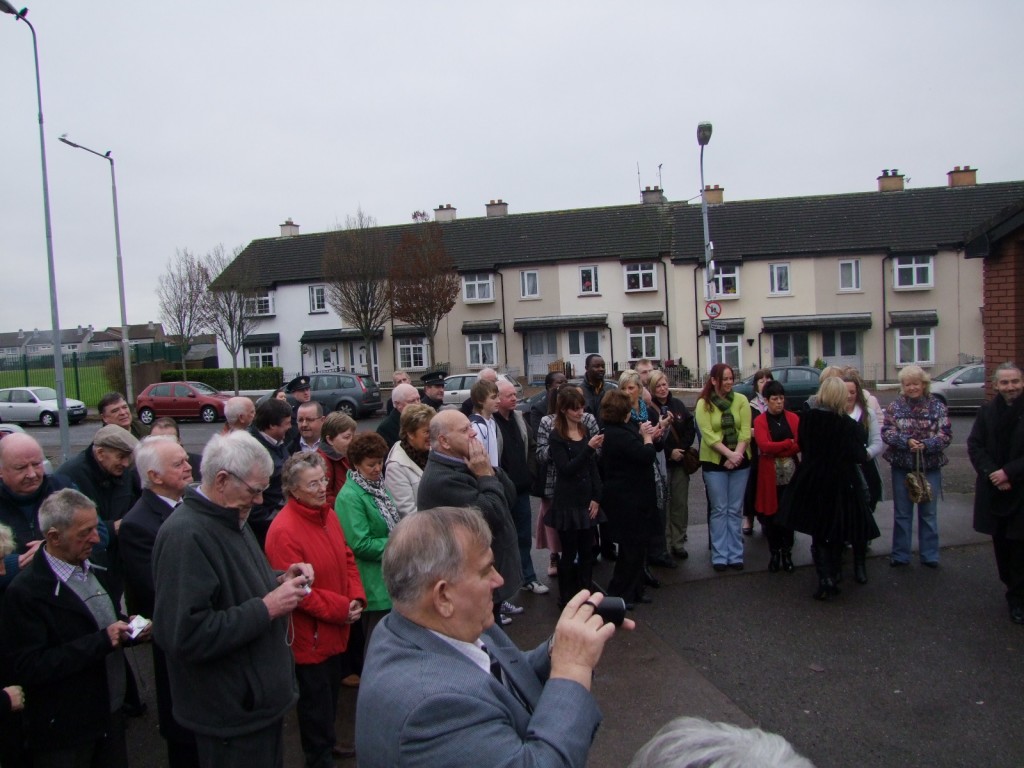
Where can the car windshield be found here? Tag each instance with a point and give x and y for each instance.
(45, 393)
(206, 389)
(946, 375)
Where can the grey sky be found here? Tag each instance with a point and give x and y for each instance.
(225, 118)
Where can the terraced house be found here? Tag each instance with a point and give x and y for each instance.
(876, 280)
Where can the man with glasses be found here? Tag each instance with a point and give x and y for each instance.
(226, 612)
(310, 417)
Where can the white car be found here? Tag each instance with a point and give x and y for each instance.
(961, 387)
(25, 405)
(457, 386)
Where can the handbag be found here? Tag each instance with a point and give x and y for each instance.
(785, 468)
(691, 460)
(918, 488)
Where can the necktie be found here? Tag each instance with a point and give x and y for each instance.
(502, 678)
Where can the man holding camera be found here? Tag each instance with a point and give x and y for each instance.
(443, 686)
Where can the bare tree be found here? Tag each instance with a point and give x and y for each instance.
(228, 297)
(356, 274)
(424, 283)
(182, 294)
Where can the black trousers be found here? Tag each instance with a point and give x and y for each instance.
(1010, 563)
(181, 742)
(628, 577)
(259, 749)
(111, 751)
(575, 563)
(780, 538)
(319, 685)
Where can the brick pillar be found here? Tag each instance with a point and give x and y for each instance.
(1004, 304)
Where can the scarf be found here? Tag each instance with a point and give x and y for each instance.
(639, 416)
(380, 496)
(730, 436)
(419, 458)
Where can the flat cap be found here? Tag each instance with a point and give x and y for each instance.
(113, 436)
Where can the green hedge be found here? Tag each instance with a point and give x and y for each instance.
(222, 378)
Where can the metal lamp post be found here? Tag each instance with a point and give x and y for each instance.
(703, 137)
(58, 356)
(125, 347)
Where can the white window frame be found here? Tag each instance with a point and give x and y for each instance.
(317, 299)
(524, 284)
(595, 288)
(729, 341)
(260, 357)
(412, 353)
(724, 275)
(645, 275)
(643, 334)
(775, 273)
(912, 266)
(917, 335)
(854, 265)
(478, 345)
(261, 305)
(476, 285)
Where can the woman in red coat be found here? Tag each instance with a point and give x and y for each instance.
(775, 432)
(307, 530)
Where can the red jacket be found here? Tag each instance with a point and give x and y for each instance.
(766, 500)
(336, 470)
(300, 534)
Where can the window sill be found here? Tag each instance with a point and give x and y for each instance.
(530, 298)
(318, 312)
(641, 290)
(478, 301)
(726, 297)
(850, 290)
(902, 288)
(779, 295)
(588, 295)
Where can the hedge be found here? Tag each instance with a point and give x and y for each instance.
(222, 379)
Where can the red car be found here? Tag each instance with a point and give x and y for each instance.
(180, 400)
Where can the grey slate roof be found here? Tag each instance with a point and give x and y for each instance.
(912, 220)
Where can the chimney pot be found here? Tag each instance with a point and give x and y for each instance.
(890, 181)
(714, 195)
(652, 195)
(497, 208)
(289, 228)
(962, 177)
(444, 213)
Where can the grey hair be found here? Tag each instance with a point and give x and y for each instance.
(58, 510)
(147, 456)
(424, 548)
(1007, 366)
(237, 453)
(7, 543)
(916, 372)
(296, 464)
(403, 393)
(692, 742)
(234, 408)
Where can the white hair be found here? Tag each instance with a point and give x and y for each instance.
(234, 408)
(488, 374)
(148, 458)
(404, 393)
(692, 742)
(237, 453)
(505, 384)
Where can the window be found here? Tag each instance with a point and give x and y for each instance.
(160, 390)
(838, 344)
(729, 350)
(317, 298)
(260, 357)
(260, 305)
(790, 349)
(588, 282)
(912, 271)
(643, 342)
(727, 282)
(412, 353)
(481, 349)
(478, 287)
(584, 343)
(849, 275)
(529, 284)
(641, 277)
(914, 345)
(778, 279)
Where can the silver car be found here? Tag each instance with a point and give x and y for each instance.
(960, 387)
(457, 386)
(25, 405)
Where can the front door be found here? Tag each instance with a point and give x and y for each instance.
(841, 348)
(582, 343)
(541, 351)
(790, 349)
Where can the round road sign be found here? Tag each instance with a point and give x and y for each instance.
(712, 309)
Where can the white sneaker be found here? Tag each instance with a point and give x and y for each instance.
(510, 609)
(536, 587)
(505, 620)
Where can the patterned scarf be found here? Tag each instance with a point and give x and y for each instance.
(419, 458)
(639, 416)
(729, 434)
(376, 489)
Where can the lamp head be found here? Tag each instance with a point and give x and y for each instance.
(703, 133)
(6, 7)
(64, 137)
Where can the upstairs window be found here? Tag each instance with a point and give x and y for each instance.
(912, 272)
(588, 281)
(260, 305)
(849, 275)
(727, 282)
(778, 279)
(317, 298)
(478, 287)
(529, 284)
(641, 277)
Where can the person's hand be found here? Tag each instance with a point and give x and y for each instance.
(594, 509)
(26, 557)
(579, 639)
(17, 697)
(478, 462)
(117, 526)
(677, 454)
(998, 478)
(915, 445)
(118, 632)
(355, 611)
(146, 634)
(297, 569)
(286, 597)
(596, 441)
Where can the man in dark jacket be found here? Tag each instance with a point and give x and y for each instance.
(113, 409)
(996, 449)
(593, 385)
(401, 396)
(433, 389)
(270, 428)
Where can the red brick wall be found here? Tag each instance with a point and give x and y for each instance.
(1004, 303)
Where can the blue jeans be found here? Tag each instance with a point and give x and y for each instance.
(903, 520)
(522, 516)
(725, 497)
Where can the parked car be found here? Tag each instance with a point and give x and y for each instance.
(457, 386)
(356, 394)
(180, 400)
(11, 429)
(962, 386)
(25, 405)
(800, 382)
(525, 406)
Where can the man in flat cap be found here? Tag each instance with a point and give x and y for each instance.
(433, 389)
(298, 390)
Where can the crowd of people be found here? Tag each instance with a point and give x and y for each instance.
(298, 554)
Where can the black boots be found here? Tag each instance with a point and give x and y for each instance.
(787, 561)
(775, 563)
(826, 589)
(826, 562)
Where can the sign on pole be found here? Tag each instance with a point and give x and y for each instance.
(712, 309)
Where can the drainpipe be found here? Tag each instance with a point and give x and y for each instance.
(504, 334)
(885, 340)
(760, 363)
(668, 325)
(696, 317)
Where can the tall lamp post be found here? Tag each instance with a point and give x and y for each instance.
(703, 137)
(125, 347)
(58, 356)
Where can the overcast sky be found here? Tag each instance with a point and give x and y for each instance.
(225, 118)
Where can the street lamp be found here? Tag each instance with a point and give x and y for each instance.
(703, 137)
(125, 347)
(58, 356)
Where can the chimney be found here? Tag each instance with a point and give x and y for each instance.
(714, 195)
(497, 208)
(151, 326)
(963, 177)
(652, 195)
(890, 181)
(289, 228)
(444, 213)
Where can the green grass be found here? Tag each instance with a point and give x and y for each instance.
(93, 381)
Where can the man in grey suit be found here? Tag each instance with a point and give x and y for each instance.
(442, 685)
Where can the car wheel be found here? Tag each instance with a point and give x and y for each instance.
(146, 415)
(347, 408)
(47, 419)
(208, 414)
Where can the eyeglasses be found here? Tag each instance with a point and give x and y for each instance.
(315, 485)
(249, 488)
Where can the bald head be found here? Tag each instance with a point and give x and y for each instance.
(21, 463)
(403, 395)
(488, 374)
(450, 433)
(239, 412)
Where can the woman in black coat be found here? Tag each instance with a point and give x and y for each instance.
(827, 497)
(629, 498)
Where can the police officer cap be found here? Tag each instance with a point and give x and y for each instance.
(297, 384)
(432, 377)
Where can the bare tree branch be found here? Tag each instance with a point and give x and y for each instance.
(226, 305)
(182, 295)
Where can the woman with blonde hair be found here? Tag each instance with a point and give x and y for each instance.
(408, 457)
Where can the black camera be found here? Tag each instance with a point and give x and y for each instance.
(611, 609)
